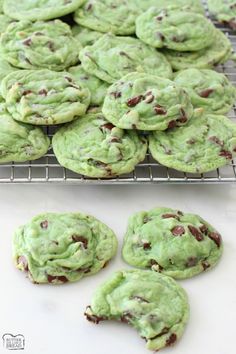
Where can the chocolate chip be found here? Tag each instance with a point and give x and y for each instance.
(196, 233)
(178, 230)
(44, 224)
(216, 237)
(206, 93)
(51, 46)
(204, 229)
(124, 54)
(108, 126)
(134, 126)
(89, 7)
(172, 339)
(60, 278)
(180, 213)
(226, 154)
(161, 36)
(26, 92)
(172, 124)
(43, 92)
(82, 239)
(191, 141)
(68, 78)
(27, 42)
(139, 298)
(167, 216)
(205, 265)
(93, 318)
(159, 110)
(147, 246)
(38, 34)
(132, 102)
(126, 317)
(183, 118)
(216, 140)
(22, 260)
(116, 94)
(191, 262)
(159, 18)
(153, 262)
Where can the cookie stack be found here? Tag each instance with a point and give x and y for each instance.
(108, 67)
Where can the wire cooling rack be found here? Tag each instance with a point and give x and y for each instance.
(48, 170)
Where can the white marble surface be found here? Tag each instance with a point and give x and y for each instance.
(51, 317)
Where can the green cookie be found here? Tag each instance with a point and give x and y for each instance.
(193, 5)
(224, 11)
(20, 142)
(219, 52)
(94, 147)
(4, 22)
(175, 29)
(34, 10)
(205, 143)
(57, 248)
(115, 16)
(85, 36)
(171, 242)
(97, 87)
(207, 89)
(44, 97)
(154, 304)
(112, 57)
(35, 45)
(146, 102)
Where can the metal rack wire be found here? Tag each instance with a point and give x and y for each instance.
(48, 170)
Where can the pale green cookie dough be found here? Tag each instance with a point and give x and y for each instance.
(97, 87)
(207, 89)
(94, 147)
(146, 102)
(44, 97)
(34, 10)
(223, 11)
(115, 16)
(193, 5)
(171, 242)
(205, 143)
(20, 142)
(175, 29)
(63, 247)
(35, 45)
(154, 304)
(85, 36)
(112, 57)
(219, 52)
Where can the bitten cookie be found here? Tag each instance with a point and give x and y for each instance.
(154, 304)
(219, 52)
(175, 29)
(171, 242)
(20, 142)
(35, 45)
(64, 247)
(94, 147)
(44, 97)
(205, 143)
(115, 16)
(146, 102)
(34, 10)
(112, 57)
(207, 89)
